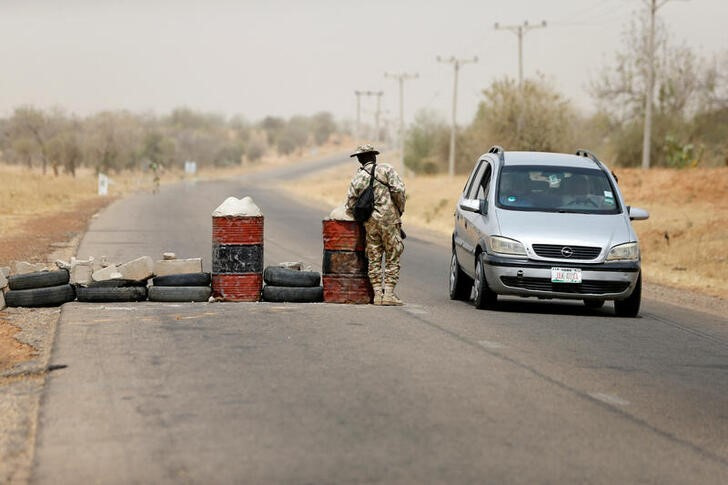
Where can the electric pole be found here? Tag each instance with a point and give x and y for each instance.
(456, 65)
(520, 31)
(401, 78)
(653, 6)
(358, 94)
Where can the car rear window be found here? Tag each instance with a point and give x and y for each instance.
(556, 189)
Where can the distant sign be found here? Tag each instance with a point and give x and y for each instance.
(103, 184)
(190, 167)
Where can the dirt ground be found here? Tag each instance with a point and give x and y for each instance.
(684, 242)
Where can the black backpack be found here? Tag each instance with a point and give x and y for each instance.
(365, 203)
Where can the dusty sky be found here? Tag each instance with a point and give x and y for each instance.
(286, 57)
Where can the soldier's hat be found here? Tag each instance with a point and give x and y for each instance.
(362, 149)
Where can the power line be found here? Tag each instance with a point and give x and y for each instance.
(358, 94)
(520, 30)
(456, 65)
(401, 78)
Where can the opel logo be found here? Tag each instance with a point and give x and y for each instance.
(567, 252)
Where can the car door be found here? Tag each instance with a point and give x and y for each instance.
(476, 223)
(460, 235)
(471, 220)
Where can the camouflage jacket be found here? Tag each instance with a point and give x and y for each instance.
(389, 196)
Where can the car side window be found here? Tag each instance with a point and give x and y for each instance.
(484, 184)
(469, 183)
(475, 183)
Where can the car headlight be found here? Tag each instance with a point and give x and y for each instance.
(503, 245)
(625, 252)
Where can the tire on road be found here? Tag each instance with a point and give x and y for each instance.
(39, 297)
(290, 294)
(111, 294)
(484, 298)
(179, 293)
(277, 276)
(38, 279)
(460, 284)
(630, 307)
(183, 279)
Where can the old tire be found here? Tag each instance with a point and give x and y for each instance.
(630, 307)
(291, 294)
(119, 283)
(111, 294)
(276, 276)
(179, 293)
(460, 284)
(183, 279)
(37, 297)
(38, 279)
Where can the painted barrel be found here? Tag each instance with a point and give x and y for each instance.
(344, 266)
(237, 257)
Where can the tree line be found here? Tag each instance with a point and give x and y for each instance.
(112, 141)
(690, 113)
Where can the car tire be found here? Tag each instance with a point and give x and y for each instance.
(460, 284)
(630, 307)
(38, 279)
(39, 297)
(277, 276)
(183, 279)
(282, 294)
(594, 304)
(119, 283)
(105, 294)
(483, 297)
(180, 293)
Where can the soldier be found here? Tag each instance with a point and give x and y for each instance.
(384, 227)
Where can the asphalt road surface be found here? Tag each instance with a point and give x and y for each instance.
(432, 392)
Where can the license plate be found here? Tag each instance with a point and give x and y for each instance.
(566, 275)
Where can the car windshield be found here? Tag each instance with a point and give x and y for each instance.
(556, 189)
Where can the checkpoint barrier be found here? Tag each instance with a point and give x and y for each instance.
(344, 266)
(237, 257)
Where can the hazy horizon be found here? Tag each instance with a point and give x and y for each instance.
(284, 57)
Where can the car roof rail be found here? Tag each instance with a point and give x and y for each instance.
(497, 149)
(580, 152)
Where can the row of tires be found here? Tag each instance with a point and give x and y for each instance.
(292, 286)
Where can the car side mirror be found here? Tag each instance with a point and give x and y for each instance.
(637, 214)
(479, 206)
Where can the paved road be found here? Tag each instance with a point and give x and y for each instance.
(432, 392)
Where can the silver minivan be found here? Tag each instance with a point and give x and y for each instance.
(546, 225)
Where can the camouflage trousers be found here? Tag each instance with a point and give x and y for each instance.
(384, 243)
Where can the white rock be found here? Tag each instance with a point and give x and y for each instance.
(108, 273)
(5, 271)
(169, 256)
(138, 269)
(81, 274)
(296, 265)
(340, 214)
(24, 267)
(3, 281)
(232, 206)
(177, 266)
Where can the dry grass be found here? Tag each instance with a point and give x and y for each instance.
(690, 206)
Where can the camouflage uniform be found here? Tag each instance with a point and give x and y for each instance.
(383, 236)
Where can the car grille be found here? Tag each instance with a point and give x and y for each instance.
(592, 287)
(555, 251)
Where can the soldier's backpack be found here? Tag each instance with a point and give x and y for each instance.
(365, 203)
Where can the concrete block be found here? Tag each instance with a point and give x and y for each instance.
(168, 256)
(81, 274)
(294, 265)
(2, 300)
(3, 281)
(5, 271)
(178, 266)
(24, 267)
(138, 269)
(108, 273)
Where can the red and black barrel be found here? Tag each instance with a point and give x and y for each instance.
(237, 257)
(344, 267)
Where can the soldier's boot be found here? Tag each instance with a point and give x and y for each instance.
(377, 294)
(390, 298)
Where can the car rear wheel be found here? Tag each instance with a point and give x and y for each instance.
(631, 306)
(460, 284)
(483, 297)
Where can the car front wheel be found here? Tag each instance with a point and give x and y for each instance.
(460, 284)
(631, 306)
(483, 297)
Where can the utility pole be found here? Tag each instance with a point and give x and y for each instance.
(520, 31)
(401, 78)
(456, 65)
(358, 94)
(653, 6)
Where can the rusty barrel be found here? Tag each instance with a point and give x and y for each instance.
(237, 257)
(344, 265)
